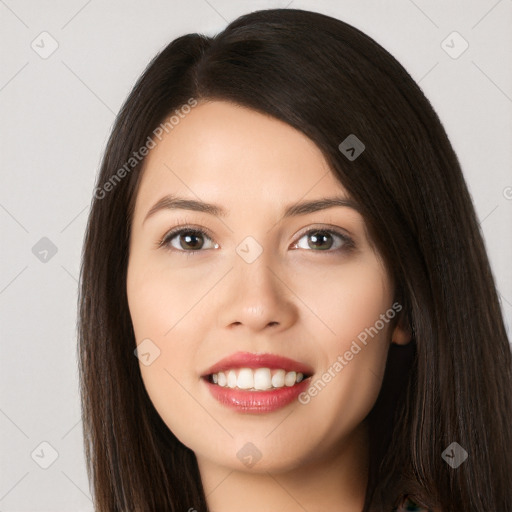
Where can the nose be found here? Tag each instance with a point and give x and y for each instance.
(256, 296)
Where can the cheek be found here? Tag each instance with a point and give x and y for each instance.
(355, 306)
(160, 326)
(346, 300)
(162, 292)
(159, 299)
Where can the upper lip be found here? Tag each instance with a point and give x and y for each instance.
(266, 360)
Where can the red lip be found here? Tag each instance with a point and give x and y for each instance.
(256, 402)
(249, 360)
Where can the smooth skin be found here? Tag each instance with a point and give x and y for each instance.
(304, 300)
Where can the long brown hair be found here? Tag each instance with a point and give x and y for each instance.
(452, 383)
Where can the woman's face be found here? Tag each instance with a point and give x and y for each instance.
(257, 283)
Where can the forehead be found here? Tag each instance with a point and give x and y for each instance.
(224, 152)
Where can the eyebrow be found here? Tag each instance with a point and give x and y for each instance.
(170, 202)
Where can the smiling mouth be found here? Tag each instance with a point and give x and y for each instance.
(257, 379)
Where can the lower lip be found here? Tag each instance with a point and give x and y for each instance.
(257, 401)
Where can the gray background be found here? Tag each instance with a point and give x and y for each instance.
(56, 115)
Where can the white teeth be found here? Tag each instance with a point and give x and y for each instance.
(278, 379)
(290, 378)
(232, 379)
(258, 379)
(262, 379)
(245, 379)
(222, 379)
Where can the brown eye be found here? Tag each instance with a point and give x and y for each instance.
(324, 239)
(320, 240)
(186, 240)
(191, 240)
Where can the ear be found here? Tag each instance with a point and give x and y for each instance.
(402, 333)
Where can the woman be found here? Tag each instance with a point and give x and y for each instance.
(321, 329)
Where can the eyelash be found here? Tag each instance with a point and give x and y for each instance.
(164, 242)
